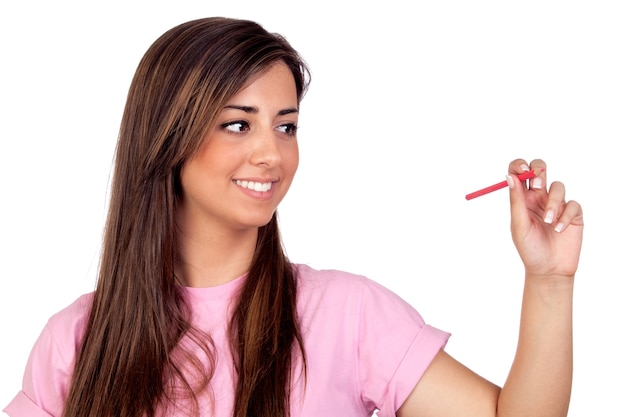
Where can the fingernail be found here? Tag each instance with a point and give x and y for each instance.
(549, 217)
(537, 183)
(559, 227)
(509, 181)
(524, 167)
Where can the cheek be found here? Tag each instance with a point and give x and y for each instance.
(293, 159)
(187, 180)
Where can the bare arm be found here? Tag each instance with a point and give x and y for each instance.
(539, 382)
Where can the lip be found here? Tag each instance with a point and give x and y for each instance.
(257, 195)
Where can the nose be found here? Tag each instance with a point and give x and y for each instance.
(265, 148)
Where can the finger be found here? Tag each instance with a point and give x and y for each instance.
(571, 215)
(554, 203)
(517, 190)
(539, 182)
(517, 196)
(518, 166)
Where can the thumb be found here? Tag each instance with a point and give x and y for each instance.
(519, 211)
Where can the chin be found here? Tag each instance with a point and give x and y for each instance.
(257, 221)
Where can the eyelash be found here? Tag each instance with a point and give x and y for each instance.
(289, 129)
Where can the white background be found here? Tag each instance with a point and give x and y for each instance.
(411, 108)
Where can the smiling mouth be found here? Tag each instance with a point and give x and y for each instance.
(253, 185)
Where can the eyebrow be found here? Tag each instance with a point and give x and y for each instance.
(252, 109)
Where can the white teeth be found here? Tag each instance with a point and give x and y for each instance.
(253, 185)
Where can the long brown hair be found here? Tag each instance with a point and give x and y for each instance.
(131, 351)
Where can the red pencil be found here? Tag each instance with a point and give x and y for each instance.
(522, 177)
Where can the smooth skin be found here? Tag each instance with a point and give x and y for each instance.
(547, 232)
(255, 140)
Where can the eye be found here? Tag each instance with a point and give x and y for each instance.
(288, 128)
(238, 126)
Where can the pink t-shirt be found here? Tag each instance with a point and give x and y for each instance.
(366, 349)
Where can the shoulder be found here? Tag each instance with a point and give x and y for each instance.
(330, 286)
(67, 326)
(75, 312)
(325, 281)
(324, 278)
(350, 292)
(355, 297)
(60, 338)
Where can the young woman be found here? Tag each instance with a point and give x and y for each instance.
(197, 311)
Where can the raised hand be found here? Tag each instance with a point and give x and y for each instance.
(546, 228)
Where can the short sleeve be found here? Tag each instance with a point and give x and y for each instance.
(45, 381)
(50, 364)
(21, 405)
(395, 348)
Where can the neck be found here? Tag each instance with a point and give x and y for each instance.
(210, 259)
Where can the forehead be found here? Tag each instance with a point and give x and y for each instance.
(276, 79)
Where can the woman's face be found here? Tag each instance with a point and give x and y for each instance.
(245, 165)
